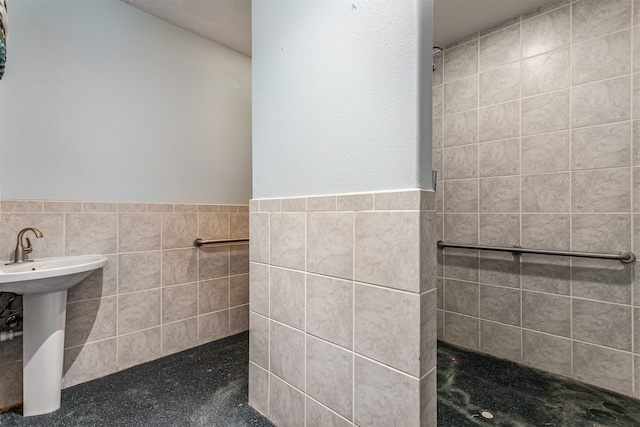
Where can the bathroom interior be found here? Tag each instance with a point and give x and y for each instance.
(313, 129)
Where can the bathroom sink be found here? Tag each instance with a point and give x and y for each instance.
(47, 274)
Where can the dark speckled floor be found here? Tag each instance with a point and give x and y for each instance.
(520, 396)
(204, 386)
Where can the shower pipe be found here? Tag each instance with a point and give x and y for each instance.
(625, 257)
(200, 242)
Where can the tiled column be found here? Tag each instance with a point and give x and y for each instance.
(343, 309)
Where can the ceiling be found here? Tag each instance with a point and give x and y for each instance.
(228, 22)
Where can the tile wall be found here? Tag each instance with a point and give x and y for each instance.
(157, 295)
(343, 310)
(537, 140)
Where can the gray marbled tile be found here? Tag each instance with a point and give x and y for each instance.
(500, 85)
(461, 95)
(259, 389)
(545, 153)
(636, 96)
(593, 18)
(179, 336)
(636, 12)
(179, 230)
(462, 330)
(179, 266)
(602, 58)
(547, 352)
(462, 297)
(259, 340)
(139, 310)
(428, 332)
(500, 47)
(546, 32)
(397, 200)
(287, 240)
(259, 288)
(179, 302)
(21, 206)
(330, 244)
(50, 224)
(545, 193)
(461, 196)
(546, 231)
(321, 203)
(499, 158)
(499, 121)
(461, 61)
(287, 297)
(602, 323)
(238, 259)
(88, 362)
(546, 313)
(601, 280)
(429, 400)
(555, 4)
(607, 368)
(602, 190)
(546, 73)
(500, 304)
(499, 229)
(270, 205)
(159, 207)
(460, 129)
(387, 327)
(259, 236)
(213, 295)
(213, 262)
(99, 207)
(461, 264)
(499, 268)
(330, 309)
(298, 204)
(320, 416)
(601, 232)
(636, 142)
(460, 162)
(501, 340)
(63, 206)
(437, 101)
(546, 274)
(138, 232)
(183, 207)
(287, 354)
(359, 202)
(383, 397)
(545, 113)
(438, 74)
(90, 320)
(286, 404)
(601, 102)
(636, 45)
(440, 316)
(601, 146)
(213, 326)
(139, 271)
(461, 228)
(239, 290)
(139, 347)
(387, 249)
(238, 319)
(101, 240)
(101, 283)
(329, 376)
(213, 226)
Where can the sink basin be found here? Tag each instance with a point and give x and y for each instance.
(48, 274)
(44, 284)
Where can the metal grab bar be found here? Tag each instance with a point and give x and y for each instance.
(200, 242)
(626, 257)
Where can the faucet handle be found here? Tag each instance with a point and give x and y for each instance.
(29, 248)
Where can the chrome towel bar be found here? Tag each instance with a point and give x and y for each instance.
(200, 242)
(626, 257)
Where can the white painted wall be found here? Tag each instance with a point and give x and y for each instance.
(340, 100)
(102, 101)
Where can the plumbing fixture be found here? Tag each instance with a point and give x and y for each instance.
(21, 250)
(9, 335)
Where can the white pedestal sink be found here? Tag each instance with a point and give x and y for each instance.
(44, 284)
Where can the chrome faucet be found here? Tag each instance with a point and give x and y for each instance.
(21, 250)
